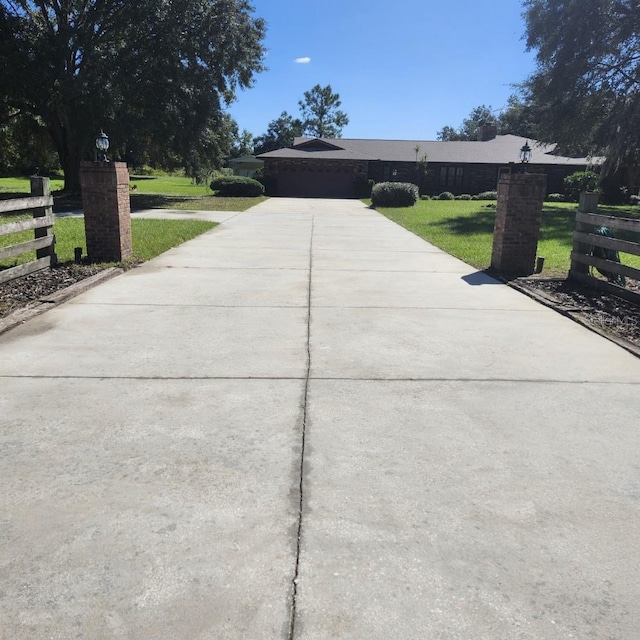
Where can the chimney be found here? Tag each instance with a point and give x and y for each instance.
(487, 131)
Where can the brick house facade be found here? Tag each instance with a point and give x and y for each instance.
(334, 168)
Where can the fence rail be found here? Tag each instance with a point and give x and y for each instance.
(41, 204)
(583, 260)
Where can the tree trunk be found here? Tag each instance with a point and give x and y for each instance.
(631, 171)
(65, 140)
(71, 169)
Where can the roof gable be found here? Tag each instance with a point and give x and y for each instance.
(317, 144)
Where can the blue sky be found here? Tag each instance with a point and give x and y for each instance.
(403, 68)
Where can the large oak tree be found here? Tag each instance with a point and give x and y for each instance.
(586, 86)
(155, 74)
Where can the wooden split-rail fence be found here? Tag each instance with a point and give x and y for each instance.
(584, 240)
(41, 204)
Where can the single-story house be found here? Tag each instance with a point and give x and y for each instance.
(335, 168)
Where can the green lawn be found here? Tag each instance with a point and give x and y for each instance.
(147, 192)
(465, 229)
(150, 237)
(10, 186)
(168, 185)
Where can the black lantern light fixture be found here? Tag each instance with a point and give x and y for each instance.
(102, 144)
(525, 153)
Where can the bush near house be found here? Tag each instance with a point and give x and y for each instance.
(446, 195)
(237, 186)
(394, 194)
(580, 181)
(363, 187)
(487, 195)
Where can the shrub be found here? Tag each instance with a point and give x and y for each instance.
(580, 181)
(488, 195)
(363, 187)
(394, 194)
(634, 200)
(463, 196)
(555, 197)
(268, 181)
(446, 195)
(425, 197)
(235, 186)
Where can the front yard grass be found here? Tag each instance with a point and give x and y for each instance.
(147, 192)
(465, 230)
(150, 237)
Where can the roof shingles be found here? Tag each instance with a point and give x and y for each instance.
(500, 150)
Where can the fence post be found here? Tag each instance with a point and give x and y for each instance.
(588, 204)
(41, 187)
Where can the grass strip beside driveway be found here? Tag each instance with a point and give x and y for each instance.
(150, 238)
(465, 230)
(147, 192)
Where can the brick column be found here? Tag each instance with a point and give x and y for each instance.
(107, 210)
(518, 217)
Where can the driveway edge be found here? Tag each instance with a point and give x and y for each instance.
(547, 302)
(53, 300)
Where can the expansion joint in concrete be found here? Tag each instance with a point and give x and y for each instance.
(294, 582)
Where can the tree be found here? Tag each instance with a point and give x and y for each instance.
(243, 144)
(586, 86)
(321, 117)
(448, 134)
(518, 118)
(468, 130)
(154, 74)
(281, 133)
(208, 152)
(25, 146)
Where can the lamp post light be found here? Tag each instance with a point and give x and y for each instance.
(525, 153)
(102, 144)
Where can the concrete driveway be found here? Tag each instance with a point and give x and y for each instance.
(308, 423)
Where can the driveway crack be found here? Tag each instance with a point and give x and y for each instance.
(296, 571)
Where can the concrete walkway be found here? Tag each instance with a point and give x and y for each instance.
(308, 423)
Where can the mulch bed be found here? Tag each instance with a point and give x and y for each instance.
(29, 290)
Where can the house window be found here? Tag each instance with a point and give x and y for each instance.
(451, 177)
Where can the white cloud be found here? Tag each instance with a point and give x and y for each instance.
(302, 60)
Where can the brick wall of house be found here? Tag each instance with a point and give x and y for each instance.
(484, 177)
(357, 167)
(476, 178)
(107, 210)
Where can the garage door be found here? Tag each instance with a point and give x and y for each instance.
(315, 184)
